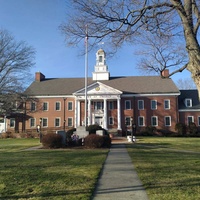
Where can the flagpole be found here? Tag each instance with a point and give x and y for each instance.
(86, 73)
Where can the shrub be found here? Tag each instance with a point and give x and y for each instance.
(93, 128)
(94, 141)
(181, 128)
(149, 131)
(192, 129)
(52, 140)
(106, 141)
(69, 141)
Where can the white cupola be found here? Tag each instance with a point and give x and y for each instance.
(100, 69)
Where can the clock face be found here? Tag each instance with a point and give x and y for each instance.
(97, 88)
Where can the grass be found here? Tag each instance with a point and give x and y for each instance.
(168, 167)
(47, 174)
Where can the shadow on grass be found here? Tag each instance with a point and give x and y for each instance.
(49, 194)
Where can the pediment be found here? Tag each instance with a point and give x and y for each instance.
(98, 88)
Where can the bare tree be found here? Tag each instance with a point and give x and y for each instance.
(16, 59)
(185, 84)
(123, 21)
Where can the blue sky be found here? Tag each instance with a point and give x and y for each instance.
(37, 22)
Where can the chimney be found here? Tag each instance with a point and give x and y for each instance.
(39, 76)
(165, 73)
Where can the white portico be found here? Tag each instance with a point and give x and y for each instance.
(104, 106)
(102, 102)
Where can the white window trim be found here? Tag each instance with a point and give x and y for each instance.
(128, 117)
(156, 120)
(59, 121)
(142, 104)
(47, 106)
(151, 105)
(14, 122)
(139, 121)
(168, 100)
(35, 106)
(68, 105)
(34, 123)
(190, 102)
(47, 121)
(198, 120)
(188, 120)
(59, 106)
(68, 121)
(169, 121)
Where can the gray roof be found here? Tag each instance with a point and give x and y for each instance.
(128, 85)
(189, 94)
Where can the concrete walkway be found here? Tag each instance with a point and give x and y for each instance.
(119, 180)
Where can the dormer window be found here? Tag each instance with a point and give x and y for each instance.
(188, 102)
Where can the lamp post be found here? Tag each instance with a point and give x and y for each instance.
(64, 99)
(133, 128)
(40, 131)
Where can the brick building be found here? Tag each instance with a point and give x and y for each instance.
(115, 103)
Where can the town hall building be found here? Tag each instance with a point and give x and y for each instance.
(115, 103)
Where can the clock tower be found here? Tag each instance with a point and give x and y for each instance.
(100, 69)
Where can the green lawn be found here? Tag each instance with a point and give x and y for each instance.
(168, 167)
(47, 174)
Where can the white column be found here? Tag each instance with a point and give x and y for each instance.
(75, 114)
(89, 112)
(119, 113)
(105, 114)
(78, 114)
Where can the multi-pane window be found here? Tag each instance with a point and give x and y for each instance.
(69, 121)
(167, 121)
(140, 121)
(98, 105)
(44, 122)
(127, 104)
(127, 121)
(12, 122)
(45, 106)
(33, 106)
(111, 121)
(154, 121)
(153, 104)
(57, 122)
(188, 102)
(57, 106)
(111, 105)
(32, 122)
(190, 119)
(140, 104)
(70, 105)
(167, 104)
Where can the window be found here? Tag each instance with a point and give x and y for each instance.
(33, 106)
(45, 106)
(32, 122)
(100, 58)
(57, 122)
(127, 104)
(57, 106)
(44, 122)
(154, 121)
(167, 121)
(190, 119)
(69, 121)
(111, 121)
(188, 102)
(70, 105)
(12, 122)
(98, 105)
(167, 104)
(198, 121)
(111, 105)
(153, 104)
(140, 121)
(127, 121)
(140, 105)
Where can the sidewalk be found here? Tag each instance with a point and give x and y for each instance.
(119, 180)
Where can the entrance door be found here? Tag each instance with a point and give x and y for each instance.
(99, 121)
